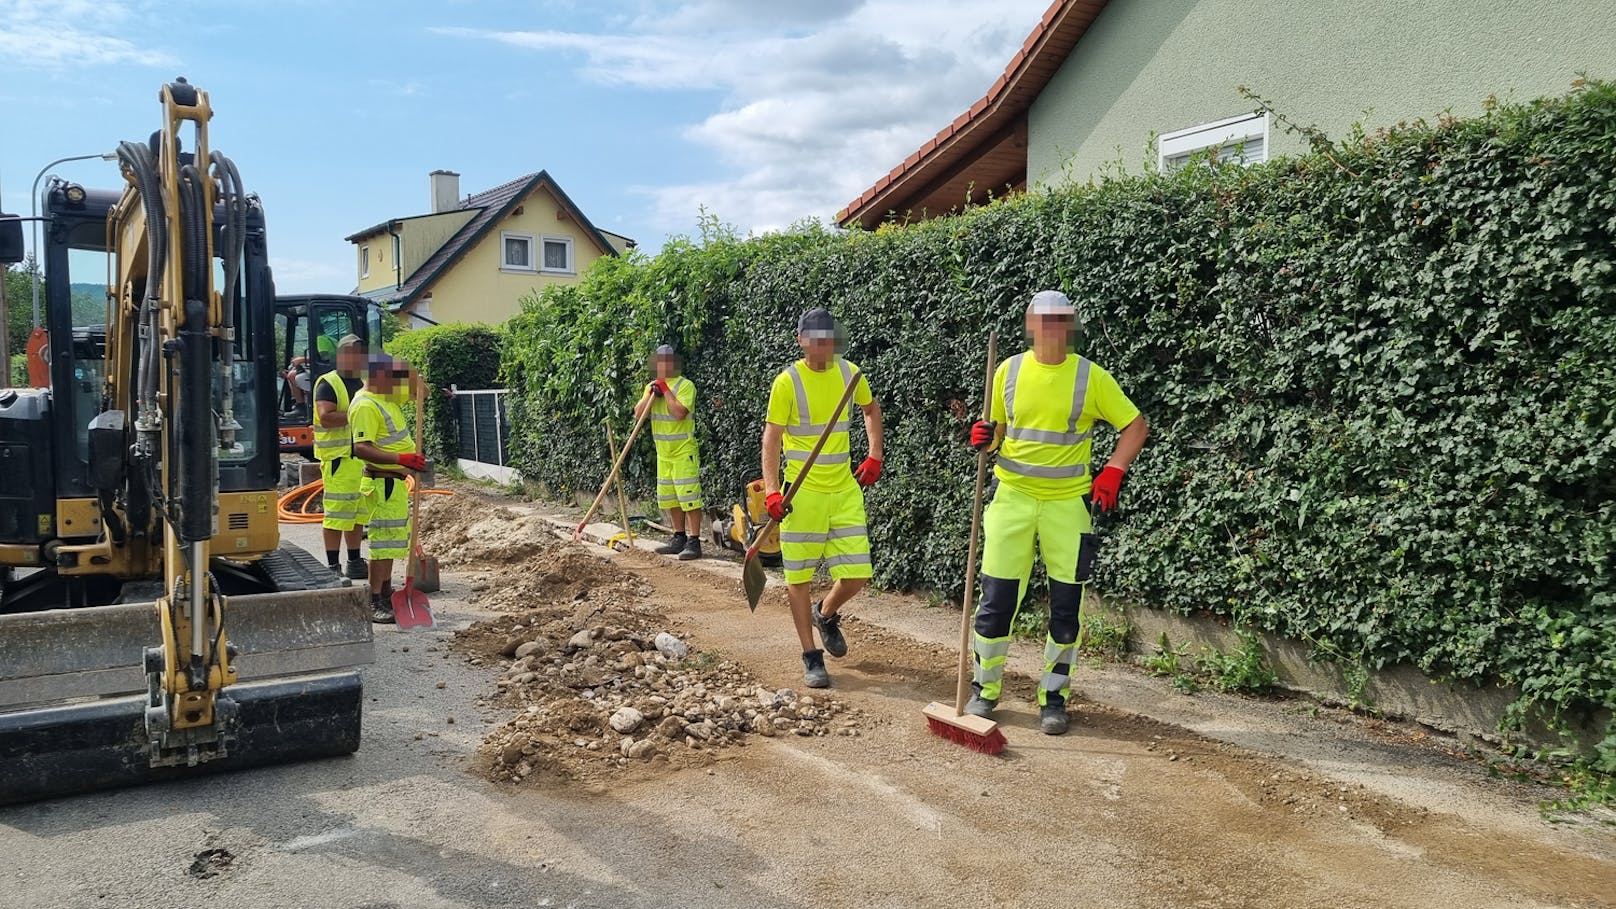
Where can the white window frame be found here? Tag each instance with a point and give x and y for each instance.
(571, 268)
(1172, 148)
(364, 261)
(533, 250)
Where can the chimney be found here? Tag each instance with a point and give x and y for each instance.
(445, 190)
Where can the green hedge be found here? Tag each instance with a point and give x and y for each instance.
(464, 356)
(1380, 380)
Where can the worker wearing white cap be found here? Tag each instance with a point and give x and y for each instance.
(1045, 403)
(672, 399)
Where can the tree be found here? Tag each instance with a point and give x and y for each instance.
(20, 302)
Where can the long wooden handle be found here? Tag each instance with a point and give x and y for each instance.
(824, 436)
(622, 503)
(616, 466)
(415, 499)
(968, 607)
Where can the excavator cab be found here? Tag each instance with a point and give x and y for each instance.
(151, 622)
(307, 329)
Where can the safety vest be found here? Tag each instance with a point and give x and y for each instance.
(332, 442)
(671, 434)
(831, 467)
(397, 439)
(1051, 452)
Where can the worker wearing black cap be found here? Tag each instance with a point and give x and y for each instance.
(672, 399)
(826, 522)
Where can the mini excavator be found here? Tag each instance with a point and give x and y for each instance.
(151, 623)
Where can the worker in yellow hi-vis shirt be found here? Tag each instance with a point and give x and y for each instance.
(1045, 403)
(382, 439)
(672, 399)
(826, 519)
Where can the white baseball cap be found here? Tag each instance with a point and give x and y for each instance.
(1051, 303)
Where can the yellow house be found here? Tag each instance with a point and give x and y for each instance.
(473, 259)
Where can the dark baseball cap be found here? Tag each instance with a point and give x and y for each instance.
(817, 323)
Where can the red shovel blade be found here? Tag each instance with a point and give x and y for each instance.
(411, 608)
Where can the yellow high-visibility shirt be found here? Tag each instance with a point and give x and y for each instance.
(1048, 413)
(380, 421)
(673, 436)
(801, 400)
(332, 442)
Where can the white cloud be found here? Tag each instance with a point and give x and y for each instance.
(38, 33)
(821, 97)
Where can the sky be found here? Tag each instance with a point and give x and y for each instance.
(763, 112)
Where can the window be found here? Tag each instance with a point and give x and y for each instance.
(517, 252)
(558, 254)
(364, 261)
(1242, 140)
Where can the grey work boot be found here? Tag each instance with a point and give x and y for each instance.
(981, 706)
(674, 546)
(814, 674)
(357, 570)
(830, 631)
(1052, 718)
(381, 611)
(692, 550)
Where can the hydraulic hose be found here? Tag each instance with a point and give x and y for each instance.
(233, 247)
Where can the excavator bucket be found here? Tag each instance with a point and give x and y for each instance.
(74, 693)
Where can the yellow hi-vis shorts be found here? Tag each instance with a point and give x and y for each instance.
(343, 499)
(827, 526)
(679, 481)
(389, 518)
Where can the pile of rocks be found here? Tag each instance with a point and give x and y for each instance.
(607, 696)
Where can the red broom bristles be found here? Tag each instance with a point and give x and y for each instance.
(992, 743)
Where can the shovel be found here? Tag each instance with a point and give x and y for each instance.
(628, 445)
(411, 609)
(752, 576)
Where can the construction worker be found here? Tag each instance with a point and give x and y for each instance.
(1045, 402)
(381, 438)
(672, 399)
(340, 472)
(825, 521)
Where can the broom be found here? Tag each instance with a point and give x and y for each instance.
(953, 723)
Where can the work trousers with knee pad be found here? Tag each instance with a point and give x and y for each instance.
(1015, 527)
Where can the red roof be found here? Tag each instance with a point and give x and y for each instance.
(985, 149)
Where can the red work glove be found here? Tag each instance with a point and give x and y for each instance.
(982, 433)
(868, 472)
(776, 505)
(662, 387)
(654, 389)
(1106, 487)
(412, 461)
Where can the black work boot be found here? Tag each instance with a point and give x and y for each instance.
(357, 570)
(814, 673)
(381, 610)
(674, 546)
(692, 550)
(830, 631)
(1052, 718)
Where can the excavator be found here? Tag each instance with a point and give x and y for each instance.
(152, 624)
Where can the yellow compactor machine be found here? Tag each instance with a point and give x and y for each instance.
(151, 623)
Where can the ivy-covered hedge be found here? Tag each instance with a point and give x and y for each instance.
(464, 356)
(1381, 381)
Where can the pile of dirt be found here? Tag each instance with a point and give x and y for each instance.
(464, 530)
(603, 685)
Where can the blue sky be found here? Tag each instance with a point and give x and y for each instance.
(335, 111)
